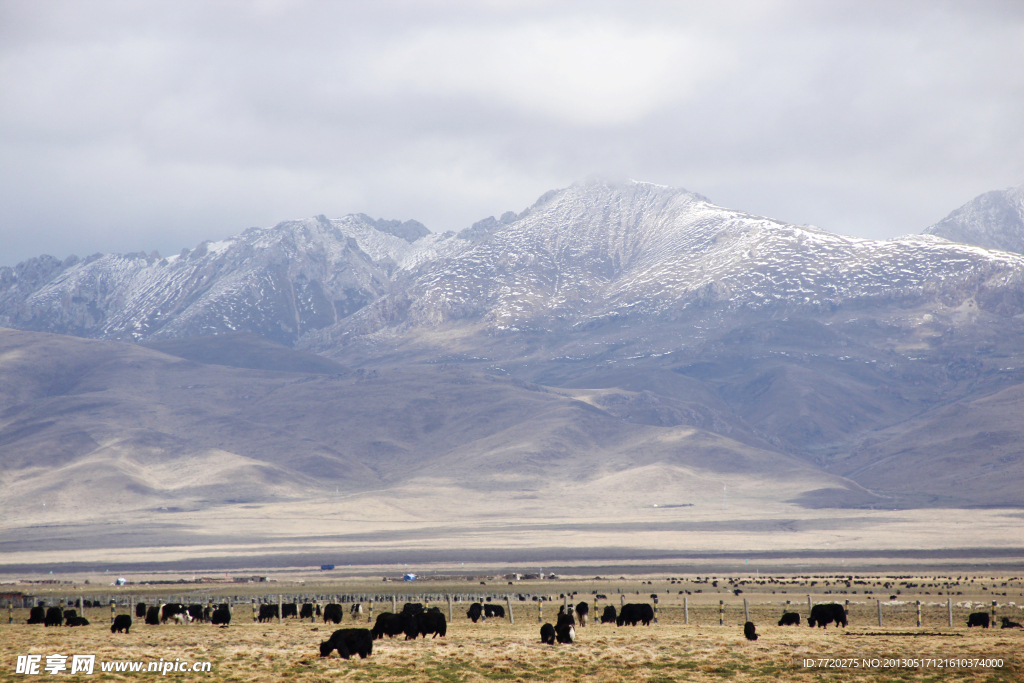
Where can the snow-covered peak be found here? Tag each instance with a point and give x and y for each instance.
(994, 220)
(601, 248)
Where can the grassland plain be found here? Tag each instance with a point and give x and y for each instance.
(499, 651)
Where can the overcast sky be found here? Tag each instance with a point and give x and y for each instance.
(128, 126)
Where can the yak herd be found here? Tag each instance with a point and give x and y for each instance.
(415, 621)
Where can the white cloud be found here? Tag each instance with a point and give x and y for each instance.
(127, 126)
(589, 72)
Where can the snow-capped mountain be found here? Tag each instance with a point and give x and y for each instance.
(278, 282)
(593, 252)
(599, 251)
(994, 220)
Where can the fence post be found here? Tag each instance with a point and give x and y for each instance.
(595, 618)
(369, 619)
(810, 604)
(655, 609)
(686, 610)
(280, 608)
(508, 601)
(746, 611)
(721, 612)
(10, 611)
(253, 610)
(919, 614)
(450, 608)
(949, 609)
(540, 611)
(993, 619)
(113, 609)
(879, 614)
(394, 603)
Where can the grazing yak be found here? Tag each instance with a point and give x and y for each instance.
(122, 622)
(789, 619)
(973, 619)
(197, 612)
(432, 621)
(37, 615)
(289, 609)
(153, 616)
(70, 614)
(412, 608)
(1010, 624)
(564, 627)
(547, 634)
(221, 616)
(348, 642)
(332, 612)
(54, 617)
(356, 609)
(307, 611)
(583, 611)
(823, 615)
(182, 618)
(494, 611)
(140, 610)
(171, 610)
(749, 631)
(76, 621)
(635, 612)
(268, 612)
(391, 625)
(609, 616)
(475, 611)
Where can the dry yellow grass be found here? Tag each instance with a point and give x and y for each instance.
(499, 651)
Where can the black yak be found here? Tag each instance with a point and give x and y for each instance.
(823, 615)
(432, 621)
(475, 611)
(332, 612)
(977, 619)
(583, 611)
(348, 642)
(635, 612)
(54, 617)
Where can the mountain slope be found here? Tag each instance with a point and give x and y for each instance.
(84, 420)
(994, 220)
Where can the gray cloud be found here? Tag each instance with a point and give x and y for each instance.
(128, 126)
